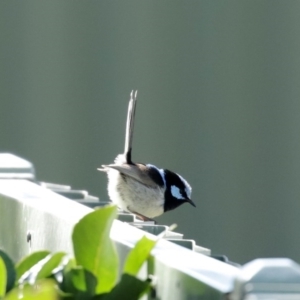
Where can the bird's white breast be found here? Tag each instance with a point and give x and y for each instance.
(131, 195)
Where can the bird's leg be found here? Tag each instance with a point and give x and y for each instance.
(142, 217)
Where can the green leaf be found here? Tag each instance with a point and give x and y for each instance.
(43, 290)
(66, 284)
(28, 261)
(80, 280)
(91, 282)
(43, 268)
(52, 262)
(2, 278)
(93, 248)
(138, 255)
(129, 288)
(10, 270)
(77, 277)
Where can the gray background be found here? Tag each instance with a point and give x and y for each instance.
(219, 103)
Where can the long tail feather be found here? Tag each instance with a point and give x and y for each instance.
(129, 126)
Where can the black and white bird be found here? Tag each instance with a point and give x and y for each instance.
(143, 189)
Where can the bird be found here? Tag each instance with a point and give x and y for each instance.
(143, 189)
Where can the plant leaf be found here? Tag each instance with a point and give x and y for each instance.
(3, 278)
(43, 268)
(43, 290)
(93, 248)
(138, 255)
(28, 261)
(66, 284)
(129, 288)
(79, 279)
(91, 282)
(50, 264)
(10, 270)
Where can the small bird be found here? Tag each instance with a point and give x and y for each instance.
(143, 189)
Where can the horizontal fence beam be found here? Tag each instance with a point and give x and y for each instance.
(36, 216)
(26, 208)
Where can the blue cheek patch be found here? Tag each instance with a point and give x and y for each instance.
(176, 192)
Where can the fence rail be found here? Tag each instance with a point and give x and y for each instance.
(36, 216)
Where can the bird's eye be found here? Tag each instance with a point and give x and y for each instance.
(175, 191)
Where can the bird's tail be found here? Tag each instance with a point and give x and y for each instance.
(129, 126)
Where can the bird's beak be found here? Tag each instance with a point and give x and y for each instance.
(190, 202)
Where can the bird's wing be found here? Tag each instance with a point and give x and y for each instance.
(138, 172)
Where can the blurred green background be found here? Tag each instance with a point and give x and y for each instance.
(218, 102)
